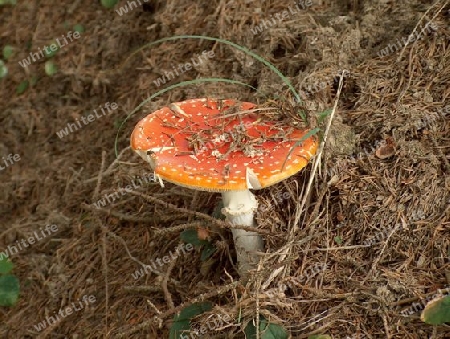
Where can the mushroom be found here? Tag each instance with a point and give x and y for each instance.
(223, 146)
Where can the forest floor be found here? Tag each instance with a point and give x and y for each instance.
(372, 241)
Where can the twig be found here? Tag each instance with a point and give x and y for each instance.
(153, 270)
(299, 210)
(119, 215)
(316, 318)
(105, 272)
(177, 228)
(324, 189)
(386, 326)
(99, 177)
(403, 91)
(257, 306)
(195, 197)
(351, 247)
(129, 253)
(404, 301)
(374, 265)
(441, 154)
(74, 5)
(157, 311)
(218, 222)
(109, 169)
(317, 159)
(142, 289)
(282, 252)
(167, 294)
(94, 260)
(418, 23)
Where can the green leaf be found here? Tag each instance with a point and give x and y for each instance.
(217, 213)
(3, 69)
(8, 51)
(181, 321)
(179, 328)
(266, 330)
(49, 52)
(5, 265)
(338, 240)
(323, 115)
(437, 312)
(275, 331)
(7, 2)
(193, 310)
(320, 336)
(9, 290)
(109, 3)
(190, 236)
(208, 251)
(78, 28)
(22, 87)
(50, 68)
(34, 80)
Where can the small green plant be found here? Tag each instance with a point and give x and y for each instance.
(7, 2)
(8, 51)
(191, 236)
(319, 336)
(266, 330)
(437, 311)
(109, 3)
(50, 68)
(78, 28)
(3, 69)
(9, 284)
(22, 87)
(182, 321)
(49, 52)
(338, 240)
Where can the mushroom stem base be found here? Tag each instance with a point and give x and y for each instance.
(247, 245)
(239, 207)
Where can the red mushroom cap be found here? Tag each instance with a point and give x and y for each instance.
(219, 145)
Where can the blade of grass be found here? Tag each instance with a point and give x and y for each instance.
(230, 43)
(298, 143)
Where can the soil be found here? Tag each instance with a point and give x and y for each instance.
(366, 241)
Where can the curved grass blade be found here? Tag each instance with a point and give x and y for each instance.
(227, 42)
(303, 138)
(164, 90)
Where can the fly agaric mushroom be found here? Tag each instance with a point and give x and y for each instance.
(223, 146)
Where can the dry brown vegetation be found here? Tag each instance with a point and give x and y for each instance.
(384, 171)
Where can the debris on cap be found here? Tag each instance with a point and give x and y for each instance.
(220, 145)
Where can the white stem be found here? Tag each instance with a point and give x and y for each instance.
(239, 207)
